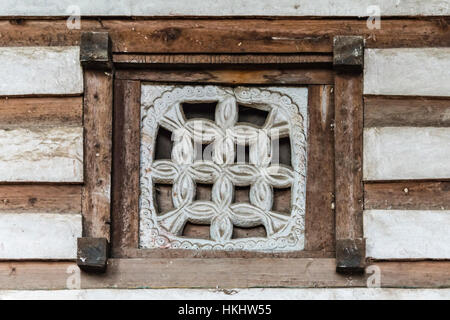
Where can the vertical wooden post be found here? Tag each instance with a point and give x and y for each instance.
(348, 63)
(95, 57)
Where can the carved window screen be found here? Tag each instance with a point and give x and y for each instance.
(204, 134)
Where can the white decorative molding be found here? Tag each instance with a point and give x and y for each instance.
(162, 106)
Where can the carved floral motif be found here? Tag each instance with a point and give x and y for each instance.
(162, 106)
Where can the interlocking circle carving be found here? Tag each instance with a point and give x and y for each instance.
(162, 107)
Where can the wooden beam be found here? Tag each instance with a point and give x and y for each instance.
(407, 195)
(98, 100)
(319, 217)
(237, 76)
(45, 111)
(40, 198)
(401, 111)
(213, 273)
(125, 190)
(228, 35)
(227, 59)
(348, 161)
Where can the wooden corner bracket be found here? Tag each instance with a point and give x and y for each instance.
(92, 254)
(348, 53)
(348, 61)
(95, 50)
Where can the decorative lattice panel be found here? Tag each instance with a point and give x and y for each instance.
(222, 132)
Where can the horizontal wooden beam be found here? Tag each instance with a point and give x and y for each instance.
(232, 76)
(407, 195)
(229, 36)
(401, 111)
(45, 111)
(222, 273)
(205, 59)
(40, 198)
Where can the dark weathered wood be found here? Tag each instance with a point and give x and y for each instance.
(40, 198)
(222, 273)
(95, 50)
(92, 254)
(96, 202)
(233, 76)
(348, 53)
(394, 111)
(350, 255)
(228, 59)
(125, 194)
(320, 224)
(407, 195)
(348, 157)
(228, 35)
(54, 111)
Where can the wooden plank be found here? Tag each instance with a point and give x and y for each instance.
(407, 71)
(229, 36)
(406, 153)
(319, 218)
(235, 59)
(153, 273)
(53, 154)
(222, 273)
(407, 234)
(96, 201)
(40, 70)
(125, 191)
(348, 155)
(407, 195)
(39, 235)
(51, 111)
(164, 8)
(227, 76)
(395, 111)
(40, 198)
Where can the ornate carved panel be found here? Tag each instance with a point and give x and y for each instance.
(210, 150)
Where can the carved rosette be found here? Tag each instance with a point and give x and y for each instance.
(162, 106)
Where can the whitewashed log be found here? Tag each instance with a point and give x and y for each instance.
(40, 70)
(397, 153)
(39, 236)
(223, 8)
(407, 234)
(235, 294)
(407, 71)
(41, 155)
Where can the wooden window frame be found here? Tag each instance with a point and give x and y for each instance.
(117, 77)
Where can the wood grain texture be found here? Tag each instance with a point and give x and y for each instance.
(406, 153)
(228, 59)
(96, 203)
(222, 273)
(348, 155)
(125, 201)
(40, 70)
(40, 198)
(319, 219)
(397, 111)
(229, 36)
(407, 195)
(407, 71)
(229, 76)
(39, 236)
(41, 154)
(45, 111)
(407, 234)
